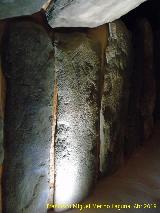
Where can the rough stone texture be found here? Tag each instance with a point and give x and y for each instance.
(92, 13)
(78, 62)
(70, 13)
(29, 69)
(114, 103)
(13, 8)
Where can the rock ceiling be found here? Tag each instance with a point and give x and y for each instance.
(70, 13)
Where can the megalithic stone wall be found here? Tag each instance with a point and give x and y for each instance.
(78, 68)
(114, 103)
(29, 69)
(2, 106)
(149, 87)
(143, 89)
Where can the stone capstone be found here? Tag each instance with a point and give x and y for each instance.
(70, 13)
(92, 13)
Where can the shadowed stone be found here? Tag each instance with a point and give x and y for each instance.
(13, 8)
(142, 98)
(114, 103)
(77, 62)
(29, 69)
(2, 104)
(149, 87)
(2, 96)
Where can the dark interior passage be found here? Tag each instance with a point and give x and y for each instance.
(97, 105)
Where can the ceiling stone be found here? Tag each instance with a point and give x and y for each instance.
(70, 13)
(88, 13)
(13, 8)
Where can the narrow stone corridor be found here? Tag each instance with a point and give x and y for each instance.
(80, 109)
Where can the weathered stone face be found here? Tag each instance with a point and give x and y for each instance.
(92, 13)
(70, 13)
(77, 62)
(114, 103)
(29, 69)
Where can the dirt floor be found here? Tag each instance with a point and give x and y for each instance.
(136, 184)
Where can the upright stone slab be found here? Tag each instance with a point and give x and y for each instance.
(114, 103)
(29, 69)
(78, 64)
(2, 106)
(142, 98)
(2, 103)
(149, 88)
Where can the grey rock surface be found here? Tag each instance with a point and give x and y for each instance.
(13, 8)
(90, 13)
(115, 97)
(71, 13)
(29, 69)
(77, 62)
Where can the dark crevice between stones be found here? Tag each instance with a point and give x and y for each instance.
(52, 155)
(3, 29)
(144, 23)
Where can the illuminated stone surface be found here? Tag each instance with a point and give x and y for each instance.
(77, 62)
(90, 13)
(71, 13)
(114, 103)
(29, 69)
